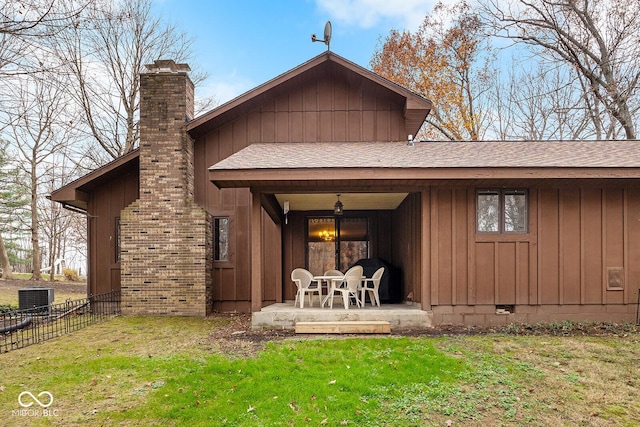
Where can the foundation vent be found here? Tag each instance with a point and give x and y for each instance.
(505, 309)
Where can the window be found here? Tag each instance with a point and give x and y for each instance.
(502, 211)
(221, 238)
(117, 233)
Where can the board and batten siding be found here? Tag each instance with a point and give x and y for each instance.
(581, 249)
(105, 205)
(311, 109)
(406, 243)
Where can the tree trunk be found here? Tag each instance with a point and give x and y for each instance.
(35, 245)
(4, 261)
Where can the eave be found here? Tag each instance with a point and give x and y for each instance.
(413, 179)
(75, 194)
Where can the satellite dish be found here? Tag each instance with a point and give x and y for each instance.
(327, 35)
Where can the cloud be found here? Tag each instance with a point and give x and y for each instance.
(405, 14)
(225, 88)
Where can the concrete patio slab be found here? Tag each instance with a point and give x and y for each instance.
(285, 316)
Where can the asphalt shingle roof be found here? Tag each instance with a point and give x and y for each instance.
(483, 154)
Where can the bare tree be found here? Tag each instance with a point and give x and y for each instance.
(37, 132)
(57, 223)
(540, 103)
(105, 52)
(598, 39)
(12, 204)
(24, 27)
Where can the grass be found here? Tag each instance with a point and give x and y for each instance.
(135, 371)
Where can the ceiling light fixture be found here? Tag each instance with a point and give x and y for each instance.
(338, 208)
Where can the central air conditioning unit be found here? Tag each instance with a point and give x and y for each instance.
(29, 298)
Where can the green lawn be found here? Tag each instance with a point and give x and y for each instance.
(136, 371)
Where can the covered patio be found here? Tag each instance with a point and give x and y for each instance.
(286, 202)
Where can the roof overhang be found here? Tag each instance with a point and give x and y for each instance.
(408, 179)
(322, 167)
(75, 194)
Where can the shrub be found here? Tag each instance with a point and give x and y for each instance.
(7, 308)
(70, 274)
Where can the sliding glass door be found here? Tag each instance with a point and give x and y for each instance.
(336, 243)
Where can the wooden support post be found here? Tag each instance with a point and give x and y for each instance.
(256, 252)
(425, 249)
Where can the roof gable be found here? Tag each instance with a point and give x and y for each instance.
(75, 193)
(415, 107)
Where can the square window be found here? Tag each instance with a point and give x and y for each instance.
(502, 211)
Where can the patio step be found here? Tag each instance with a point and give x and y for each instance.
(344, 327)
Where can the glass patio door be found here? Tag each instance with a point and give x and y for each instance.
(336, 242)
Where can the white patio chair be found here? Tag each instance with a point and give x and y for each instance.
(303, 280)
(371, 286)
(348, 286)
(333, 273)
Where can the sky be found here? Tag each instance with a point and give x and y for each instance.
(244, 43)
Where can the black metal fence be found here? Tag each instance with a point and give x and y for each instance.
(21, 328)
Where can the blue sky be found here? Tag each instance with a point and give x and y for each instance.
(242, 44)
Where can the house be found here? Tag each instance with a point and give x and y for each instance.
(213, 213)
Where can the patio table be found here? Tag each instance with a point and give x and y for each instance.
(330, 282)
(321, 280)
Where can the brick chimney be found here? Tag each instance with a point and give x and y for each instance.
(166, 239)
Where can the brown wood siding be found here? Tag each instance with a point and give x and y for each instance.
(104, 207)
(583, 235)
(577, 239)
(405, 243)
(485, 260)
(632, 245)
(569, 247)
(294, 251)
(614, 243)
(591, 246)
(444, 263)
(548, 245)
(272, 261)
